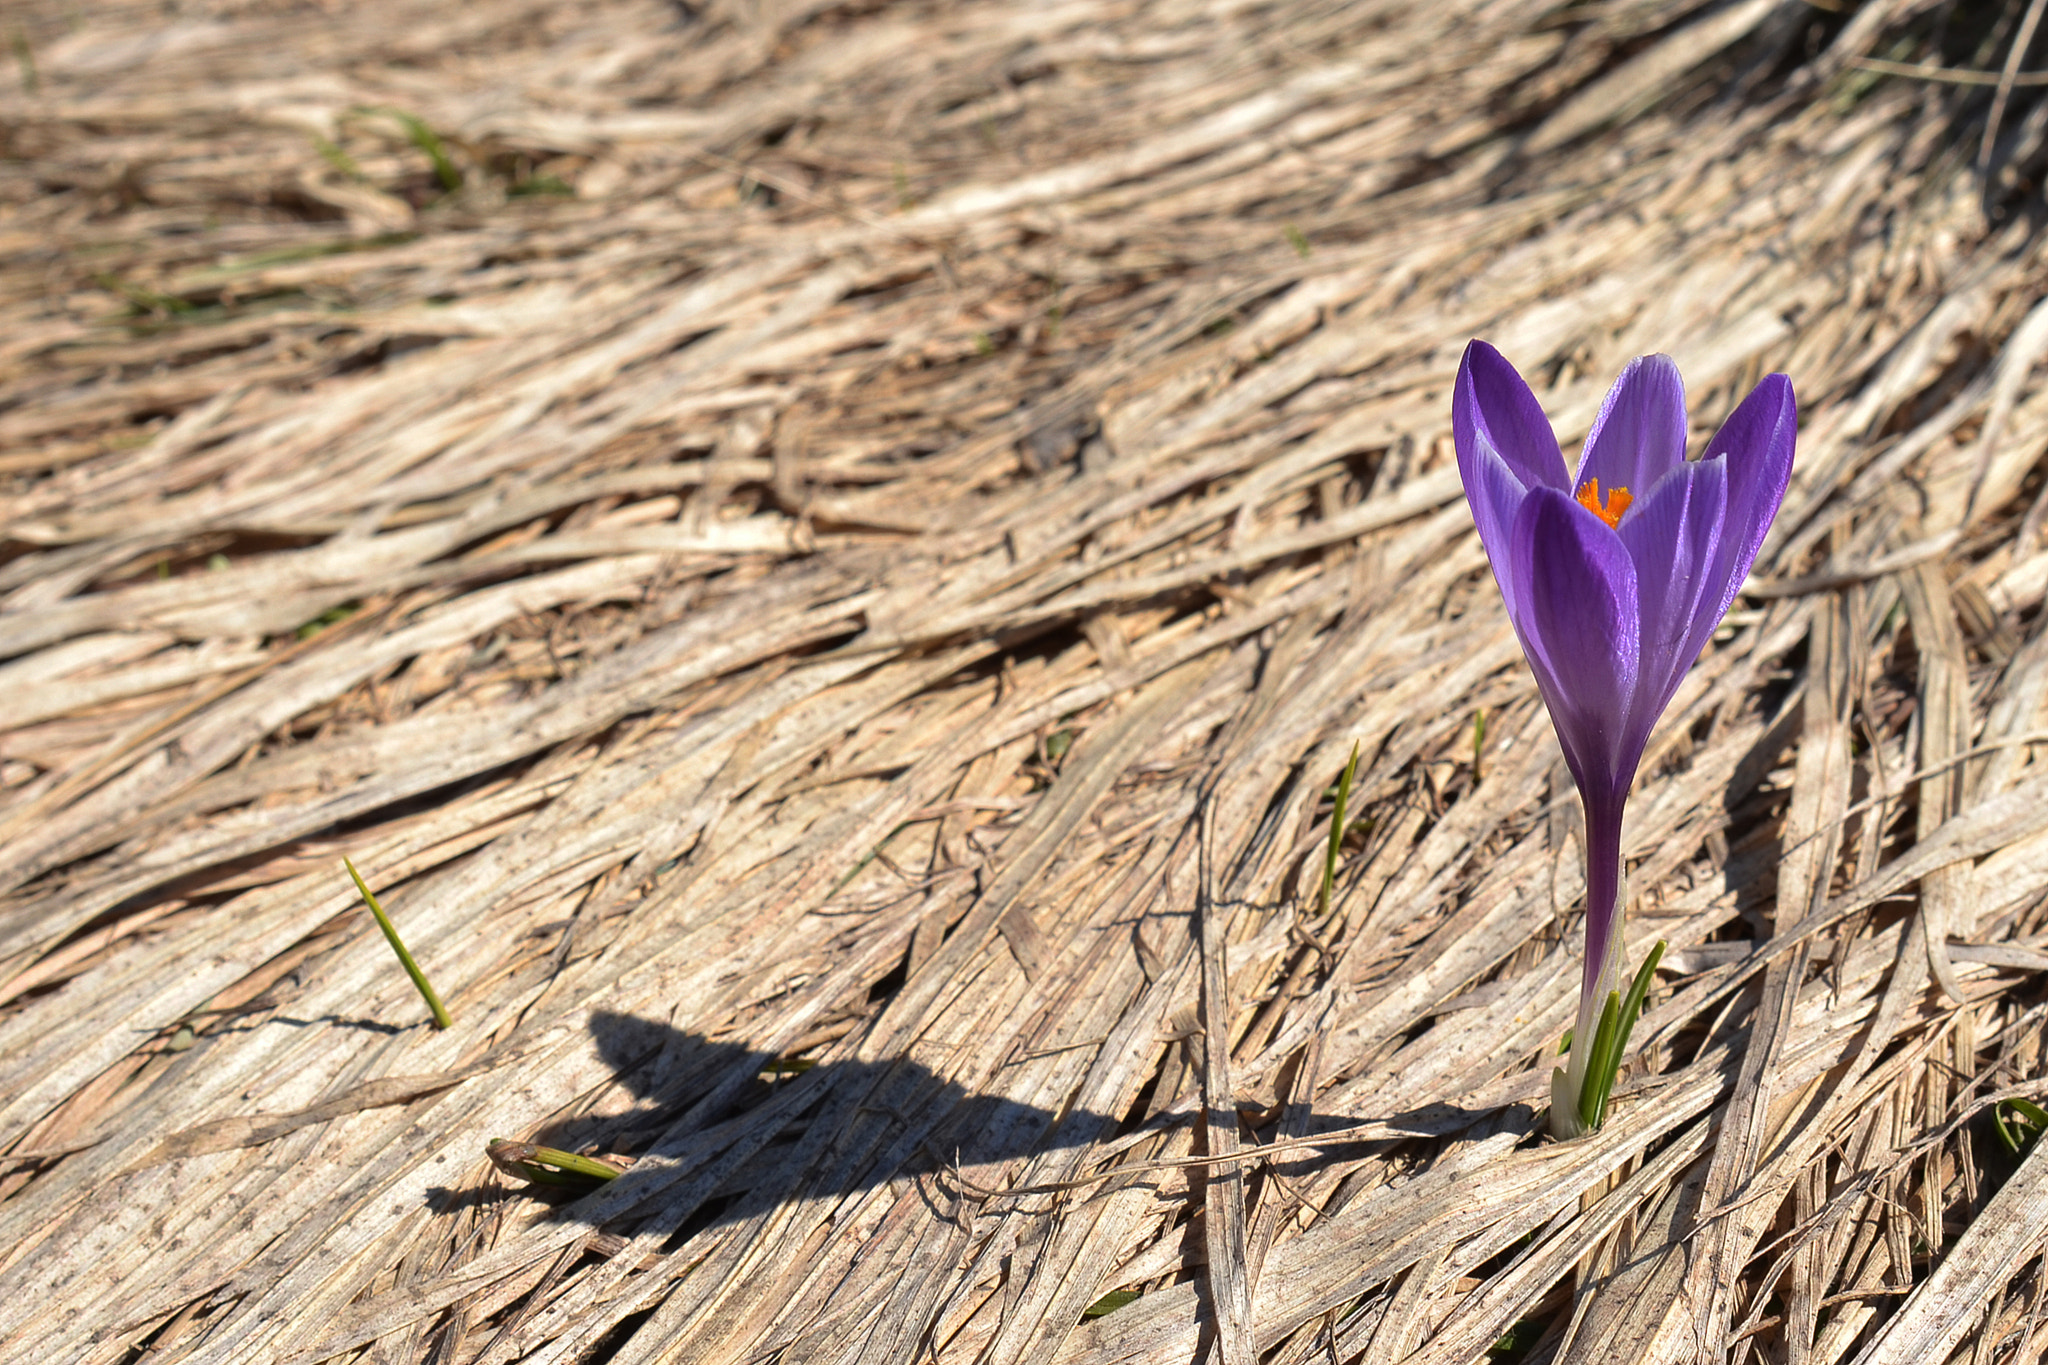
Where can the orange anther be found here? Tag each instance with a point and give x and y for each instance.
(1616, 503)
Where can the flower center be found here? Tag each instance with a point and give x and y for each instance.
(1616, 503)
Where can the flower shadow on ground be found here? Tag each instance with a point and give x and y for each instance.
(733, 1134)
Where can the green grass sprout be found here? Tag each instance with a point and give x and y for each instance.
(872, 854)
(140, 299)
(412, 968)
(1337, 830)
(427, 140)
(549, 1165)
(1478, 745)
(542, 186)
(1110, 1302)
(332, 616)
(25, 58)
(2028, 1121)
(337, 158)
(1610, 1042)
(1299, 241)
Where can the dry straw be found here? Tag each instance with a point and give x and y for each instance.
(615, 470)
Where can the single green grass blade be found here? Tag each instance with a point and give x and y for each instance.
(1110, 1302)
(1631, 1010)
(1639, 991)
(1478, 746)
(1337, 826)
(412, 968)
(427, 140)
(2034, 1113)
(1598, 1076)
(25, 58)
(549, 1165)
(871, 855)
(1610, 1043)
(2006, 1137)
(2014, 1136)
(334, 156)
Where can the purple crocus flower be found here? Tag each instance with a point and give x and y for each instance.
(1614, 581)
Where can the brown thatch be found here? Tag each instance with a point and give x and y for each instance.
(824, 558)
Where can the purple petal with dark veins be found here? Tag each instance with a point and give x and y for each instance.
(1639, 436)
(1611, 619)
(1490, 402)
(1757, 440)
(1495, 495)
(1580, 628)
(1674, 536)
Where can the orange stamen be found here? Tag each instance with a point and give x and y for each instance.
(1616, 503)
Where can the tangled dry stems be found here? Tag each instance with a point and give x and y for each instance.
(823, 559)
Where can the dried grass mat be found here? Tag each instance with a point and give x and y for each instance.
(824, 558)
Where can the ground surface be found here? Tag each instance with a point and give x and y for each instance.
(824, 559)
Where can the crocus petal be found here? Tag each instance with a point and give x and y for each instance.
(1639, 436)
(1674, 537)
(1495, 495)
(1611, 614)
(1490, 403)
(1579, 625)
(1757, 440)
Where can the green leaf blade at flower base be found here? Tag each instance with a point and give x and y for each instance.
(1610, 1042)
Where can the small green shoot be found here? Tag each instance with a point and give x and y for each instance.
(412, 968)
(1337, 828)
(310, 251)
(1610, 1041)
(216, 562)
(872, 854)
(542, 186)
(1110, 1302)
(427, 140)
(1519, 1340)
(140, 299)
(549, 1165)
(25, 58)
(332, 616)
(2020, 1124)
(1299, 241)
(337, 158)
(1478, 745)
(1057, 744)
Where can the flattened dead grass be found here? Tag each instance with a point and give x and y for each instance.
(823, 560)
